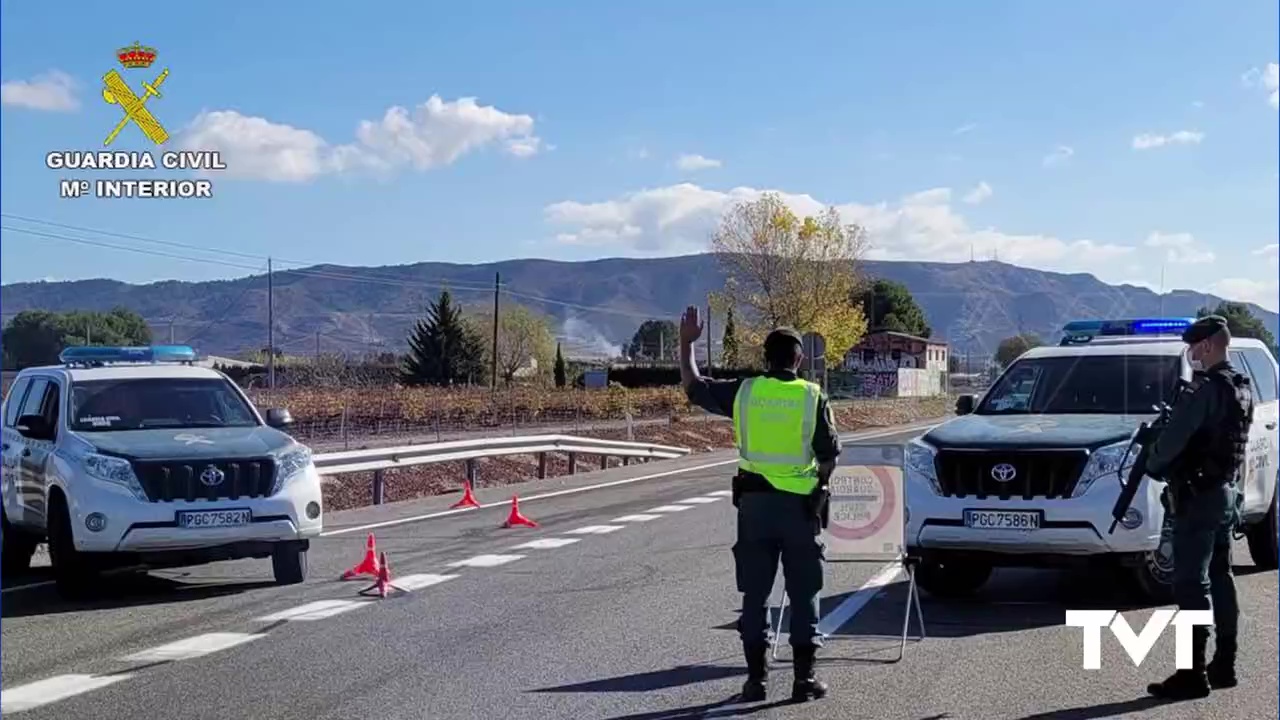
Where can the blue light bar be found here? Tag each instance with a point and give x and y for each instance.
(152, 354)
(1082, 331)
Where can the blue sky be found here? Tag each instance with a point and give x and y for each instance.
(1103, 137)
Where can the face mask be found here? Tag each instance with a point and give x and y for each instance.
(1197, 366)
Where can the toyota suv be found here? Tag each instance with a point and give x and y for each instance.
(138, 456)
(1028, 474)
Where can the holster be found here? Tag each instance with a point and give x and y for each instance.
(819, 505)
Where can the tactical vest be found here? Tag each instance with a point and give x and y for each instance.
(773, 426)
(1221, 450)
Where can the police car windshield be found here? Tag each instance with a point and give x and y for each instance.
(147, 403)
(1100, 384)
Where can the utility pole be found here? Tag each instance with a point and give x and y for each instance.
(271, 327)
(493, 360)
(317, 346)
(709, 334)
(662, 346)
(171, 340)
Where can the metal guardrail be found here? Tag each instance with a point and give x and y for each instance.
(379, 460)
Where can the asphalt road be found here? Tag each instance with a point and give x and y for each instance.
(622, 608)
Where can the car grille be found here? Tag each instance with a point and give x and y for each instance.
(1037, 473)
(170, 480)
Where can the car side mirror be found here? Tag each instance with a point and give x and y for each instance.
(279, 418)
(35, 427)
(965, 404)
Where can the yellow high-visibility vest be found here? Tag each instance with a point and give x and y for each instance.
(773, 426)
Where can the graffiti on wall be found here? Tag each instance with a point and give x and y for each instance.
(902, 382)
(864, 384)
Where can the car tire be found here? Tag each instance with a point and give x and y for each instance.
(73, 572)
(952, 577)
(289, 563)
(17, 549)
(1264, 538)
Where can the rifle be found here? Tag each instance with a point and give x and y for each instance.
(1144, 436)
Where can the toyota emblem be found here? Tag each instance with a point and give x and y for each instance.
(1004, 472)
(212, 476)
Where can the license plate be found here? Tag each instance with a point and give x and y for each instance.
(214, 518)
(1003, 519)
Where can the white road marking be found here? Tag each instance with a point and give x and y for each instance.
(546, 543)
(595, 529)
(317, 610)
(871, 435)
(32, 586)
(51, 690)
(641, 517)
(420, 580)
(486, 561)
(722, 493)
(698, 500)
(669, 508)
(193, 647)
(854, 604)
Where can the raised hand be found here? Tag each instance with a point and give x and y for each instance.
(690, 325)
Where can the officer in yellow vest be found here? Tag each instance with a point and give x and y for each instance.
(787, 449)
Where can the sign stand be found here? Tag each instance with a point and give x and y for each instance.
(867, 524)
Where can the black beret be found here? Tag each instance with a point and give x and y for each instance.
(1203, 329)
(782, 337)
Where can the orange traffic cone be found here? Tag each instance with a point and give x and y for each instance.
(369, 565)
(382, 586)
(516, 518)
(468, 499)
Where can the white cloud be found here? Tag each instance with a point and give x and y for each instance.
(1060, 155)
(436, 133)
(979, 194)
(1264, 293)
(53, 91)
(1197, 104)
(1270, 252)
(1148, 141)
(691, 163)
(1268, 79)
(921, 226)
(1180, 248)
(966, 128)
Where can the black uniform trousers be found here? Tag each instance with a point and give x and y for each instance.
(1202, 577)
(773, 526)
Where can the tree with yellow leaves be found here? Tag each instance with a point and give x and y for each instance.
(783, 270)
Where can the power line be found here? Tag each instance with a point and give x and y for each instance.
(377, 279)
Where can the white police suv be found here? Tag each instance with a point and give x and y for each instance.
(128, 456)
(1028, 474)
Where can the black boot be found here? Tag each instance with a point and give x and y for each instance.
(1222, 669)
(806, 685)
(1187, 684)
(755, 688)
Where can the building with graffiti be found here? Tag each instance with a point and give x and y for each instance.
(892, 364)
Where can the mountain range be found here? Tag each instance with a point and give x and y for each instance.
(596, 305)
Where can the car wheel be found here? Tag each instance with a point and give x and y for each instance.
(73, 572)
(1264, 538)
(17, 549)
(1154, 574)
(289, 563)
(952, 577)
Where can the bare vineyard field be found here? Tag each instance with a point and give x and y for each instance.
(659, 416)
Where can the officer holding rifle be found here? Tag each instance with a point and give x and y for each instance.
(787, 450)
(1200, 454)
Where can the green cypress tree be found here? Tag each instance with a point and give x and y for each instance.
(443, 348)
(561, 378)
(729, 345)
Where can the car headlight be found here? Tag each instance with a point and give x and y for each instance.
(919, 459)
(291, 465)
(1110, 461)
(113, 470)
